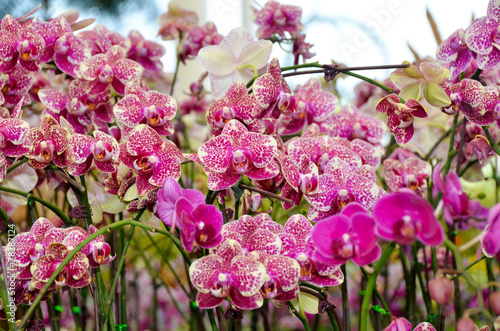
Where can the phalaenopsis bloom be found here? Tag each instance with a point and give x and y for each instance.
(236, 152)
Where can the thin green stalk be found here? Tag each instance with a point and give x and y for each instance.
(14, 166)
(373, 82)
(439, 141)
(119, 267)
(75, 310)
(345, 300)
(299, 316)
(212, 319)
(490, 139)
(451, 147)
(174, 80)
(425, 294)
(378, 295)
(52, 207)
(434, 261)
(371, 285)
(236, 209)
(176, 276)
(103, 230)
(333, 322)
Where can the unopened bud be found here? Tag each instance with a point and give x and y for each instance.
(466, 324)
(494, 301)
(441, 290)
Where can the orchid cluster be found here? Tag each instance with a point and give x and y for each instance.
(275, 196)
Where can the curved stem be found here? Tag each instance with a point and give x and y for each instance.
(212, 319)
(490, 140)
(371, 285)
(14, 166)
(266, 193)
(105, 229)
(299, 316)
(379, 296)
(29, 196)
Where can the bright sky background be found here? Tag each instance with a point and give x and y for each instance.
(355, 32)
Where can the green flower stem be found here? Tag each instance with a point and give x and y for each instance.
(119, 267)
(299, 316)
(423, 288)
(371, 285)
(212, 319)
(490, 140)
(75, 310)
(451, 147)
(177, 65)
(378, 295)
(305, 65)
(176, 276)
(29, 196)
(466, 275)
(434, 261)
(3, 290)
(333, 321)
(345, 300)
(371, 81)
(103, 230)
(440, 140)
(14, 166)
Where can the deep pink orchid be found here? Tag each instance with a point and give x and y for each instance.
(13, 136)
(454, 52)
(399, 324)
(404, 216)
(152, 158)
(99, 250)
(16, 87)
(152, 108)
(111, 68)
(228, 273)
(411, 173)
(349, 235)
(490, 243)
(145, 52)
(235, 152)
(400, 116)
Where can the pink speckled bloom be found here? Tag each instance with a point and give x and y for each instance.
(228, 273)
(410, 173)
(275, 18)
(235, 152)
(454, 52)
(197, 38)
(111, 68)
(102, 150)
(400, 116)
(152, 158)
(404, 217)
(152, 108)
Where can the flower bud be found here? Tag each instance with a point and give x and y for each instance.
(441, 290)
(466, 324)
(494, 301)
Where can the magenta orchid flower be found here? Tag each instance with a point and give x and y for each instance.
(490, 243)
(111, 68)
(424, 326)
(153, 158)
(231, 60)
(297, 243)
(74, 274)
(22, 44)
(340, 185)
(235, 152)
(201, 224)
(197, 38)
(275, 18)
(350, 124)
(145, 52)
(102, 150)
(349, 235)
(457, 205)
(400, 116)
(13, 135)
(404, 216)
(272, 92)
(282, 276)
(411, 173)
(236, 104)
(228, 273)
(399, 324)
(99, 250)
(16, 87)
(69, 50)
(482, 35)
(49, 143)
(152, 108)
(454, 52)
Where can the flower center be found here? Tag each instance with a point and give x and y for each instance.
(308, 183)
(28, 51)
(155, 116)
(220, 288)
(286, 102)
(106, 74)
(344, 248)
(241, 161)
(76, 107)
(270, 288)
(62, 45)
(103, 152)
(405, 230)
(359, 131)
(145, 163)
(223, 115)
(342, 198)
(44, 152)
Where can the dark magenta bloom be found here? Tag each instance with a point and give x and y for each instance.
(490, 243)
(404, 217)
(349, 235)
